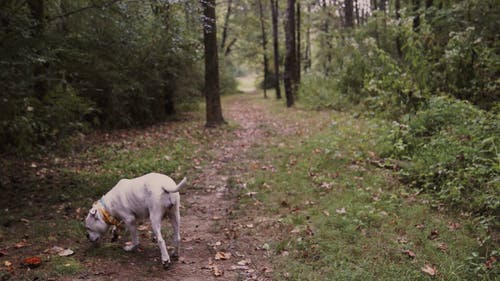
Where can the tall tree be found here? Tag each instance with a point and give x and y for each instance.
(264, 46)
(397, 9)
(307, 53)
(226, 25)
(274, 16)
(416, 16)
(290, 56)
(299, 56)
(37, 11)
(349, 13)
(212, 89)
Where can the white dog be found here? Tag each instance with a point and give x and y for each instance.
(153, 195)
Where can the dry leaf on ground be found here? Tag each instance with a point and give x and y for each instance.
(341, 211)
(21, 244)
(443, 247)
(452, 226)
(434, 234)
(32, 262)
(66, 253)
(429, 269)
(222, 256)
(409, 253)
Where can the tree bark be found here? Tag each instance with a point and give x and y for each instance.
(298, 53)
(416, 18)
(349, 14)
(397, 8)
(356, 6)
(264, 47)
(307, 59)
(274, 15)
(290, 56)
(226, 25)
(212, 95)
(326, 44)
(40, 85)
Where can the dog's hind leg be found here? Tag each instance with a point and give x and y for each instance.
(156, 226)
(175, 220)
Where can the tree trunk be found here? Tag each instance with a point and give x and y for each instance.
(290, 57)
(349, 14)
(307, 58)
(397, 8)
(326, 44)
(274, 15)
(298, 53)
(356, 6)
(226, 24)
(416, 17)
(212, 95)
(264, 47)
(40, 85)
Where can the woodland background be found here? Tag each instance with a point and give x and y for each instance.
(431, 68)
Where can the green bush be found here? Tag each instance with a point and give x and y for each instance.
(452, 151)
(34, 121)
(318, 93)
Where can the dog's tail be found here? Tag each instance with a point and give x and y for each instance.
(176, 189)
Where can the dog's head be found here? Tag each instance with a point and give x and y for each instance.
(95, 224)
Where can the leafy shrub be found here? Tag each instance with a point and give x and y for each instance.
(452, 149)
(317, 92)
(60, 113)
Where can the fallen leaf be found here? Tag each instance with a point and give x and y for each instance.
(66, 253)
(7, 263)
(419, 226)
(21, 244)
(54, 250)
(250, 225)
(266, 269)
(142, 227)
(243, 262)
(443, 247)
(341, 211)
(3, 252)
(222, 256)
(25, 221)
(32, 262)
(490, 262)
(216, 271)
(326, 213)
(434, 234)
(409, 253)
(452, 226)
(429, 269)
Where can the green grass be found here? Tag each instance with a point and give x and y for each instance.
(330, 171)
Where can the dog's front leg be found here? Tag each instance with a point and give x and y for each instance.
(156, 226)
(132, 229)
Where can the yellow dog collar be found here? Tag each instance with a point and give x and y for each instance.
(108, 218)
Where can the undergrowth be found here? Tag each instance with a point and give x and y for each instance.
(344, 216)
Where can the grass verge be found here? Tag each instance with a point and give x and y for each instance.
(342, 217)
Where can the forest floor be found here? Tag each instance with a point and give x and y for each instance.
(276, 193)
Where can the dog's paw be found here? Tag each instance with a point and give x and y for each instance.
(166, 264)
(129, 247)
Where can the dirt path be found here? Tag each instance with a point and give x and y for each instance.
(212, 227)
(209, 222)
